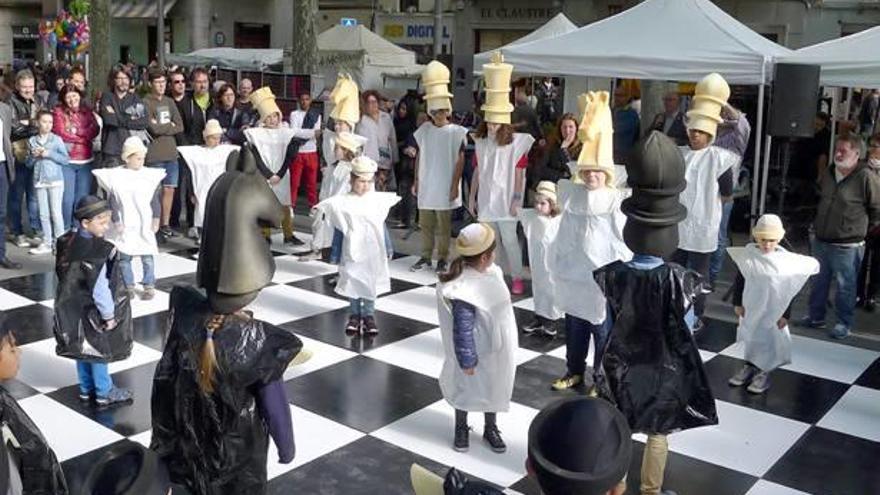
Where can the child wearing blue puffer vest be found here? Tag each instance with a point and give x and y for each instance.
(47, 153)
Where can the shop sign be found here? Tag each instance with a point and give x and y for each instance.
(518, 13)
(413, 30)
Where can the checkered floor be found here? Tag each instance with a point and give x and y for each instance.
(364, 409)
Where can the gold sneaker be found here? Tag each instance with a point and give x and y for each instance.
(566, 382)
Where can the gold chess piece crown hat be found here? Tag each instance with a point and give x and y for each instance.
(710, 96)
(435, 79)
(346, 101)
(497, 75)
(264, 101)
(596, 132)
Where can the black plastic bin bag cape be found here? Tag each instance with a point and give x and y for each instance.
(651, 369)
(79, 328)
(216, 443)
(39, 468)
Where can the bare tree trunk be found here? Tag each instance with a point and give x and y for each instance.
(99, 45)
(304, 46)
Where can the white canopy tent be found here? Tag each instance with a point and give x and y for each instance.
(851, 61)
(230, 58)
(673, 40)
(559, 25)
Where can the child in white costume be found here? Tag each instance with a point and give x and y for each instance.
(541, 225)
(133, 191)
(768, 278)
(479, 336)
(363, 270)
(206, 163)
(501, 156)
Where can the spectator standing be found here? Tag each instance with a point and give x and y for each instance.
(849, 207)
(24, 126)
(46, 155)
(524, 117)
(869, 275)
(7, 175)
(306, 123)
(230, 117)
(869, 111)
(193, 109)
(378, 128)
(404, 127)
(671, 120)
(562, 153)
(548, 101)
(626, 125)
(123, 114)
(164, 124)
(77, 126)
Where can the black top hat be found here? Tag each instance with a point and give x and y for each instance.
(89, 207)
(579, 445)
(127, 468)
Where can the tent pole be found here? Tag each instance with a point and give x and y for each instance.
(757, 161)
(835, 97)
(765, 173)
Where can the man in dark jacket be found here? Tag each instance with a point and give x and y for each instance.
(7, 175)
(23, 126)
(671, 120)
(849, 206)
(123, 114)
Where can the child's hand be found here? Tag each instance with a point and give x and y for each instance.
(740, 311)
(155, 225)
(453, 193)
(469, 371)
(274, 180)
(415, 188)
(514, 209)
(110, 324)
(782, 323)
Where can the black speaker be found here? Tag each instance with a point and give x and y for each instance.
(795, 95)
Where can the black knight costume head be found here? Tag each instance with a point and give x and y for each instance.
(235, 262)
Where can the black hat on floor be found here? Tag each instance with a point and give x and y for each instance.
(127, 468)
(89, 207)
(580, 446)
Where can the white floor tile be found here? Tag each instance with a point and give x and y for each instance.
(399, 269)
(828, 360)
(69, 433)
(857, 413)
(43, 370)
(143, 438)
(429, 433)
(323, 355)
(290, 269)
(764, 487)
(527, 304)
(744, 439)
(167, 265)
(10, 300)
(417, 304)
(315, 436)
(157, 304)
(706, 355)
(559, 352)
(282, 303)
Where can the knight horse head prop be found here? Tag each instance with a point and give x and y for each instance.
(346, 101)
(596, 132)
(235, 262)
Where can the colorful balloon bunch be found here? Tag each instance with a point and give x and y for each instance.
(66, 32)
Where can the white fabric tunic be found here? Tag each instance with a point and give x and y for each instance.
(439, 148)
(590, 237)
(272, 144)
(772, 281)
(336, 181)
(132, 192)
(698, 232)
(495, 336)
(540, 233)
(206, 166)
(328, 147)
(496, 169)
(363, 271)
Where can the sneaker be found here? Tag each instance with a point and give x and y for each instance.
(149, 292)
(810, 323)
(22, 241)
(116, 397)
(549, 329)
(462, 440)
(760, 383)
(167, 232)
(369, 324)
(41, 249)
(707, 288)
(353, 325)
(839, 332)
(9, 264)
(870, 305)
(132, 291)
(293, 241)
(441, 267)
(193, 233)
(85, 396)
(535, 326)
(493, 437)
(517, 287)
(568, 381)
(35, 240)
(418, 265)
(699, 325)
(742, 376)
(161, 239)
(310, 256)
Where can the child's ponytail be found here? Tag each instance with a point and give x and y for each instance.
(207, 358)
(458, 264)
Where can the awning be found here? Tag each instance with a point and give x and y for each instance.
(138, 9)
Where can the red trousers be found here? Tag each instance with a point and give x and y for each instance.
(305, 167)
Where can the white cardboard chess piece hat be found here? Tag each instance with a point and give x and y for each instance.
(768, 226)
(710, 95)
(435, 79)
(497, 75)
(364, 167)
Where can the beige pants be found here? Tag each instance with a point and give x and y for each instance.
(435, 224)
(654, 464)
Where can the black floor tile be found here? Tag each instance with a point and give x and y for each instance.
(716, 336)
(367, 465)
(189, 252)
(19, 390)
(796, 396)
(36, 287)
(329, 327)
(871, 377)
(151, 330)
(538, 342)
(531, 386)
(825, 461)
(127, 420)
(30, 323)
(77, 469)
(363, 393)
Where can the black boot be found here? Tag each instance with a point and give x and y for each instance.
(492, 436)
(462, 440)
